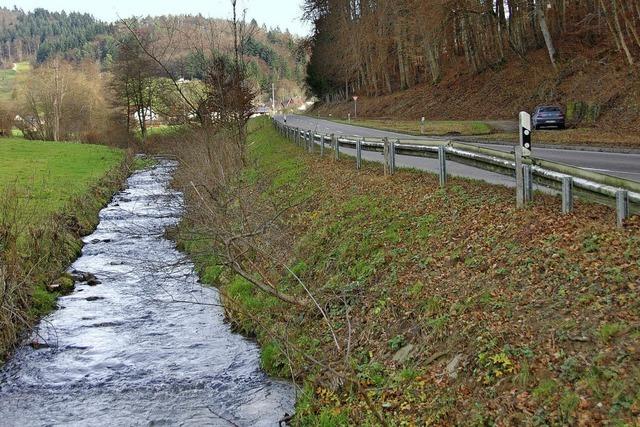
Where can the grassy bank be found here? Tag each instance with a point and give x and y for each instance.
(437, 306)
(50, 195)
(577, 137)
(430, 128)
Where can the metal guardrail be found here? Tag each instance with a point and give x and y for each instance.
(618, 192)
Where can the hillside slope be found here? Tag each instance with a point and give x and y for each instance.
(596, 90)
(272, 55)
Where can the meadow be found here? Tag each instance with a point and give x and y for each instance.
(47, 175)
(8, 79)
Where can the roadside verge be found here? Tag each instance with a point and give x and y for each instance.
(431, 305)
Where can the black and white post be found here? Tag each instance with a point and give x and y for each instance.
(523, 150)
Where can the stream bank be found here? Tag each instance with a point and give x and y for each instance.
(147, 344)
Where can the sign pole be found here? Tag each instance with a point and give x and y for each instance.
(355, 108)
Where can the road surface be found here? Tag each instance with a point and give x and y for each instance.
(624, 165)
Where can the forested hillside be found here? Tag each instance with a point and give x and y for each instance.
(40, 34)
(546, 50)
(273, 55)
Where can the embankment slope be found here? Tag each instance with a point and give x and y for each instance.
(437, 306)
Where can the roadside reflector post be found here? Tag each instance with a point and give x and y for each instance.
(422, 125)
(442, 160)
(519, 178)
(567, 194)
(528, 183)
(525, 133)
(524, 186)
(622, 206)
(349, 117)
(358, 154)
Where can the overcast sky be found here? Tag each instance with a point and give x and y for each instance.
(282, 13)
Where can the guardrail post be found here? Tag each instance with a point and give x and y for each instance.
(392, 157)
(385, 154)
(622, 206)
(336, 141)
(322, 138)
(528, 183)
(358, 154)
(519, 178)
(567, 194)
(442, 160)
(312, 141)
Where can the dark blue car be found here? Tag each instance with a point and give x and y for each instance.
(548, 116)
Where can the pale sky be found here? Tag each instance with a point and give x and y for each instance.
(282, 13)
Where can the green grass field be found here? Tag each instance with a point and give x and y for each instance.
(8, 79)
(47, 175)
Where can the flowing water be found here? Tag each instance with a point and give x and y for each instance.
(146, 346)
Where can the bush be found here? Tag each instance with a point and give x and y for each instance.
(7, 118)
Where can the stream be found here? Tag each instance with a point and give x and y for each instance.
(146, 346)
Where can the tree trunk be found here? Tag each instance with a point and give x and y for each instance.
(618, 28)
(545, 33)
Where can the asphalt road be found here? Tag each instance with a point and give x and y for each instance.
(623, 165)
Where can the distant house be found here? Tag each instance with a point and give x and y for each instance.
(260, 111)
(147, 113)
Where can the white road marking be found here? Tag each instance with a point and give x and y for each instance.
(609, 170)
